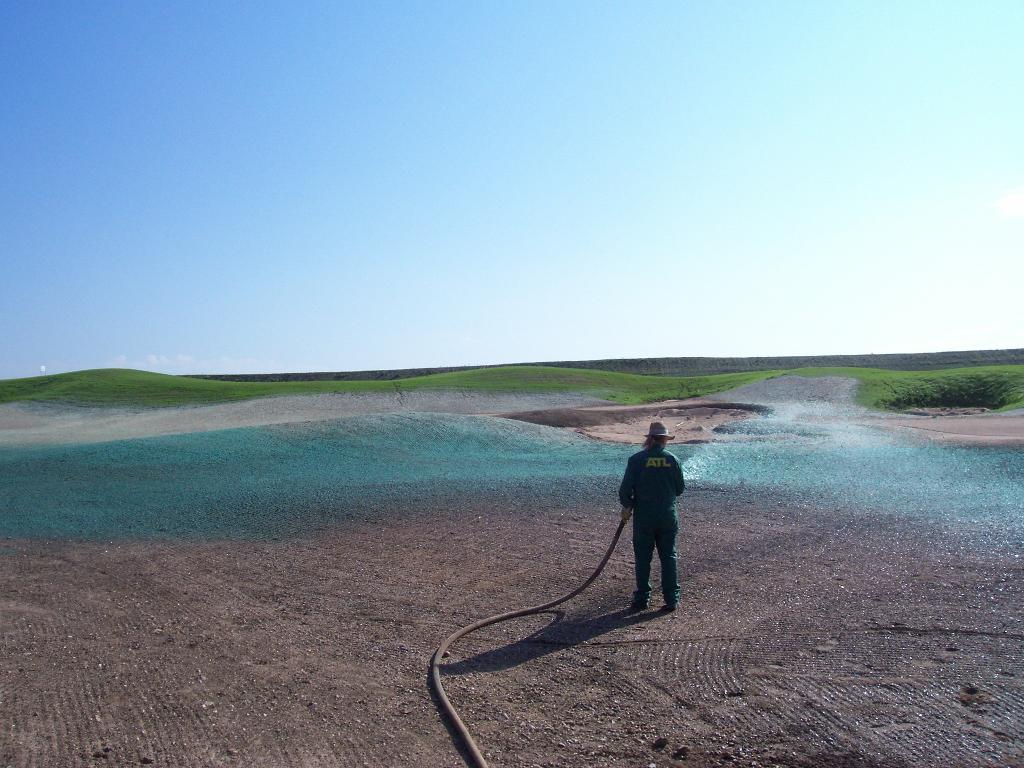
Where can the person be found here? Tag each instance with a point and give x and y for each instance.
(649, 488)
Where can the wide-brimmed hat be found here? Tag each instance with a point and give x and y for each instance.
(657, 429)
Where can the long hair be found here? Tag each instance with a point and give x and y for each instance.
(650, 441)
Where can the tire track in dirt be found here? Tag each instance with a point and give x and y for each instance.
(863, 679)
(708, 667)
(176, 722)
(301, 600)
(900, 719)
(860, 691)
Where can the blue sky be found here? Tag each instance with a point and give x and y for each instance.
(226, 187)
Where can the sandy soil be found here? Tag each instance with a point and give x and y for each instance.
(807, 636)
(986, 429)
(691, 421)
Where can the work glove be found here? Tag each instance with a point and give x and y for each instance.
(626, 514)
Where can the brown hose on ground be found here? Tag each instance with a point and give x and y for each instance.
(476, 758)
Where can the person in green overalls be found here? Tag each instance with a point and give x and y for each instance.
(648, 491)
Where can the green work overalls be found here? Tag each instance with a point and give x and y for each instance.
(650, 486)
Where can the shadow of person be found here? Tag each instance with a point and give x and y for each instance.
(555, 636)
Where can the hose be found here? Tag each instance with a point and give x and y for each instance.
(476, 758)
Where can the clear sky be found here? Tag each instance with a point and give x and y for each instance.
(227, 187)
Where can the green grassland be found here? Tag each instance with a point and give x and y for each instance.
(998, 387)
(121, 387)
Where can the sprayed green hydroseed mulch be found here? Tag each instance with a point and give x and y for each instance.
(275, 481)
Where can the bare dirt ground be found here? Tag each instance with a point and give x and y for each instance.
(837, 390)
(691, 421)
(807, 636)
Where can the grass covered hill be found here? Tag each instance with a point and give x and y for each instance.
(683, 366)
(997, 387)
(121, 387)
(1000, 387)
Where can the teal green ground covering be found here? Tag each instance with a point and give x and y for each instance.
(274, 480)
(293, 480)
